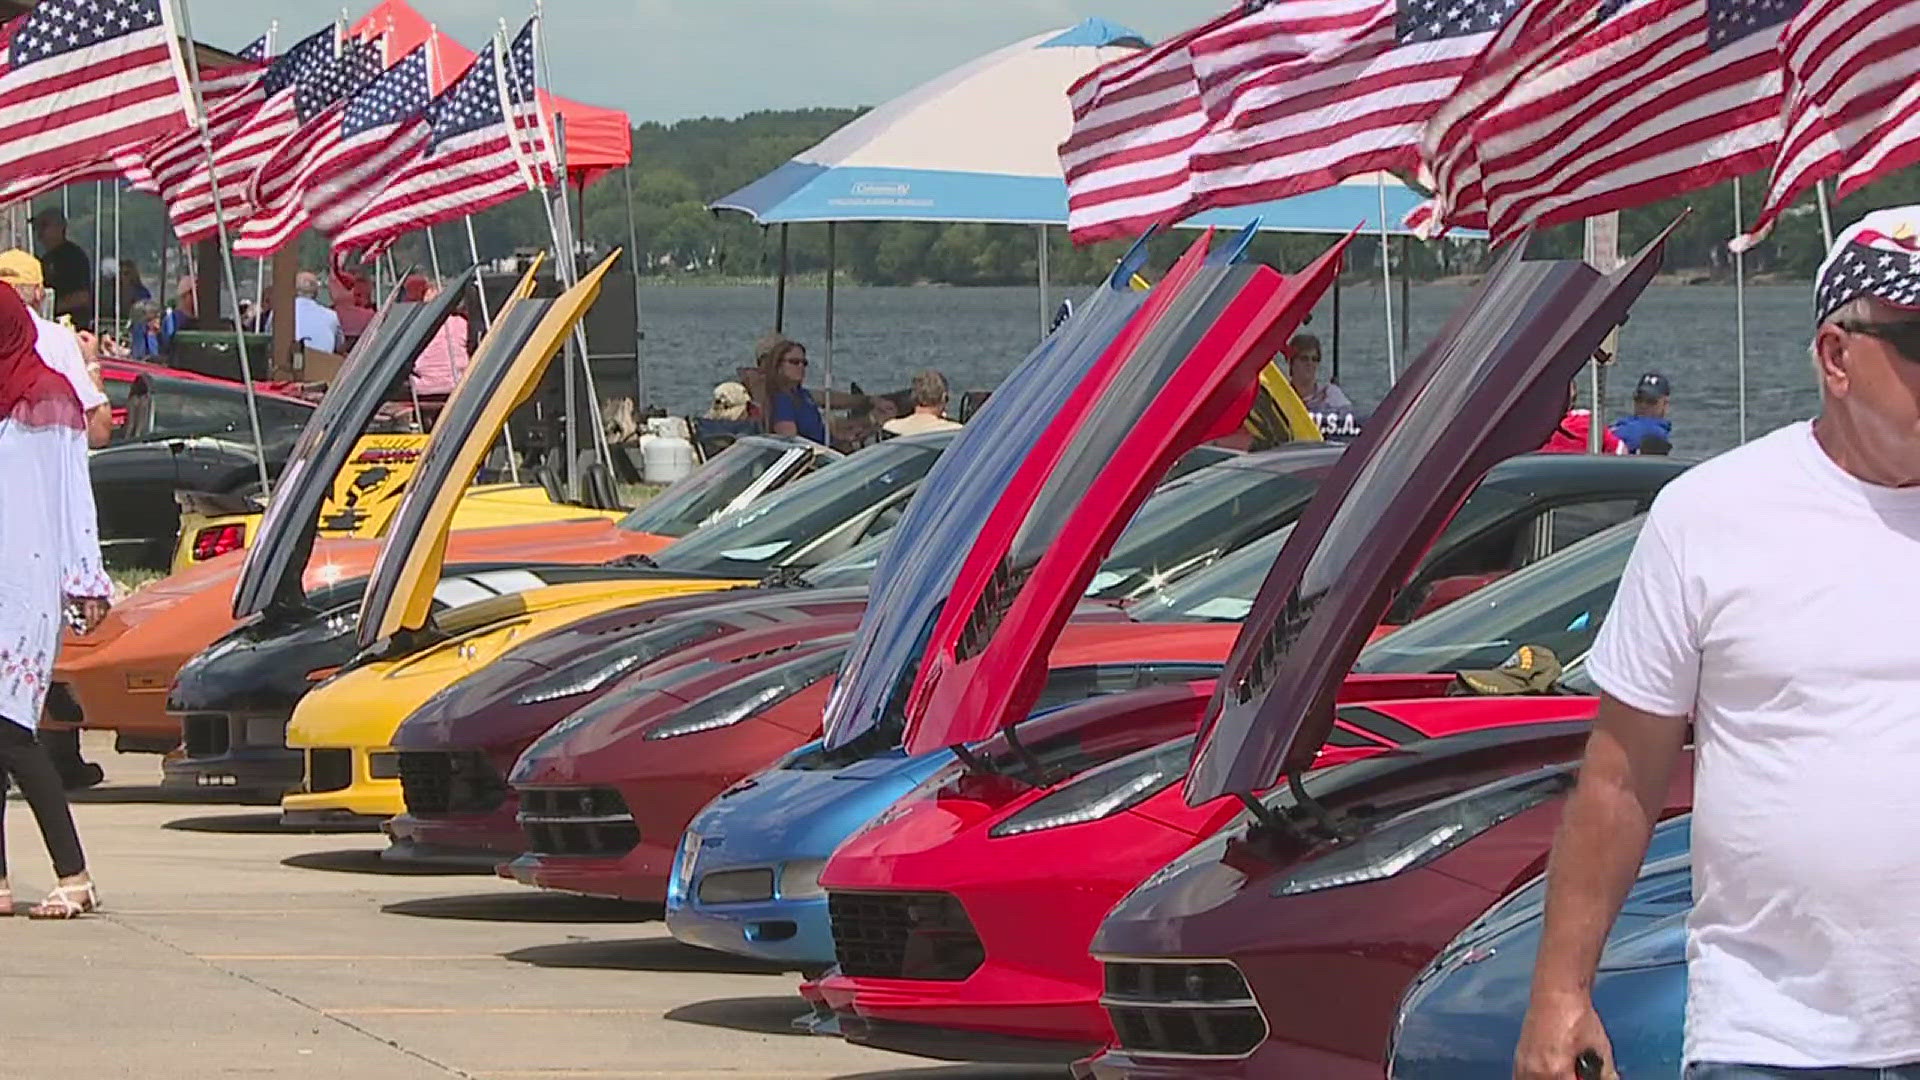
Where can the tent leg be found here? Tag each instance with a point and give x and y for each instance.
(827, 413)
(633, 266)
(1386, 280)
(1046, 307)
(1406, 296)
(780, 288)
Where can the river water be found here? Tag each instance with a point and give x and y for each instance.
(697, 335)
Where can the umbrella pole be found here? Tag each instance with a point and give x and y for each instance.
(1386, 278)
(827, 413)
(780, 288)
(1046, 308)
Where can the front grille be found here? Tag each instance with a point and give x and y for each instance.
(578, 822)
(329, 770)
(900, 935)
(1199, 1008)
(206, 734)
(440, 783)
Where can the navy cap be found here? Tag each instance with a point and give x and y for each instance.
(1653, 385)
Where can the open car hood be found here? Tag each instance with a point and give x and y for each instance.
(1023, 426)
(393, 340)
(1194, 376)
(502, 374)
(1492, 384)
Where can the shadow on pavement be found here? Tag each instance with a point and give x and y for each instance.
(526, 907)
(644, 954)
(964, 1073)
(257, 822)
(143, 793)
(367, 861)
(757, 1015)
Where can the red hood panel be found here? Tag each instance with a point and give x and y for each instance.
(1187, 380)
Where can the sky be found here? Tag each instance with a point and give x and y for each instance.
(673, 59)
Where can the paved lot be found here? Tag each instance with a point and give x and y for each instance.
(228, 948)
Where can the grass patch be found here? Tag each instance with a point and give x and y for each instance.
(128, 581)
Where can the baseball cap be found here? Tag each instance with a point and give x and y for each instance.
(1653, 385)
(20, 267)
(1877, 256)
(1532, 669)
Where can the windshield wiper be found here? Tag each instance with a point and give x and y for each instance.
(786, 577)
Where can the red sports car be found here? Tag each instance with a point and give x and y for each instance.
(1349, 880)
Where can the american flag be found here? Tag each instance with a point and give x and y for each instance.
(469, 163)
(319, 104)
(1659, 98)
(1135, 120)
(381, 129)
(1297, 95)
(84, 80)
(246, 129)
(1851, 100)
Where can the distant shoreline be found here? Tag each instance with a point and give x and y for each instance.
(818, 281)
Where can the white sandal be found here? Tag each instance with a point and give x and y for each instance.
(67, 902)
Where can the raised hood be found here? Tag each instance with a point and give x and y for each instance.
(1194, 377)
(1492, 384)
(1027, 419)
(503, 373)
(385, 352)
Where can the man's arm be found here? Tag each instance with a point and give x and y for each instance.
(1603, 837)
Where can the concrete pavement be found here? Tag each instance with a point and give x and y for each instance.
(231, 949)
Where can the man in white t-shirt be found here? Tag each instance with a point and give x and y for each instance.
(1773, 599)
(60, 347)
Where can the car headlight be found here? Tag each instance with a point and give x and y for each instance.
(590, 673)
(800, 879)
(750, 696)
(1420, 836)
(1105, 791)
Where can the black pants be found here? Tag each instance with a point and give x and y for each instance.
(22, 757)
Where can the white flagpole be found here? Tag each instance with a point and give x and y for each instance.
(1386, 276)
(486, 316)
(1740, 309)
(99, 204)
(433, 257)
(119, 287)
(1826, 215)
(190, 93)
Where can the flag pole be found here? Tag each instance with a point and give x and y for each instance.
(1740, 309)
(98, 271)
(486, 320)
(197, 114)
(1826, 215)
(433, 257)
(1386, 275)
(119, 287)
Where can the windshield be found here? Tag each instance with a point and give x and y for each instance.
(707, 491)
(780, 529)
(1557, 602)
(1222, 592)
(1196, 520)
(853, 569)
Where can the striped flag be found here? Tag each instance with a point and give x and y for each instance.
(1135, 120)
(1658, 98)
(1282, 98)
(381, 129)
(320, 101)
(1852, 104)
(246, 129)
(86, 79)
(469, 163)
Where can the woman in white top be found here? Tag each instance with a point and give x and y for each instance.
(50, 545)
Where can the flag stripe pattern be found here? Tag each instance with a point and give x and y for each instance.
(1269, 101)
(246, 129)
(469, 163)
(321, 98)
(1659, 98)
(1850, 99)
(382, 128)
(85, 79)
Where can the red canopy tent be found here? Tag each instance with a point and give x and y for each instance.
(598, 140)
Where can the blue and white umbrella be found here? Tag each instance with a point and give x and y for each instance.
(981, 144)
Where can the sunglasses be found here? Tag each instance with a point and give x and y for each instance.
(1904, 337)
(801, 360)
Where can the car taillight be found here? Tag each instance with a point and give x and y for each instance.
(216, 540)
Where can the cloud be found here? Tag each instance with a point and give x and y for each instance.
(671, 59)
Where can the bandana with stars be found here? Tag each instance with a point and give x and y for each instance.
(1877, 256)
